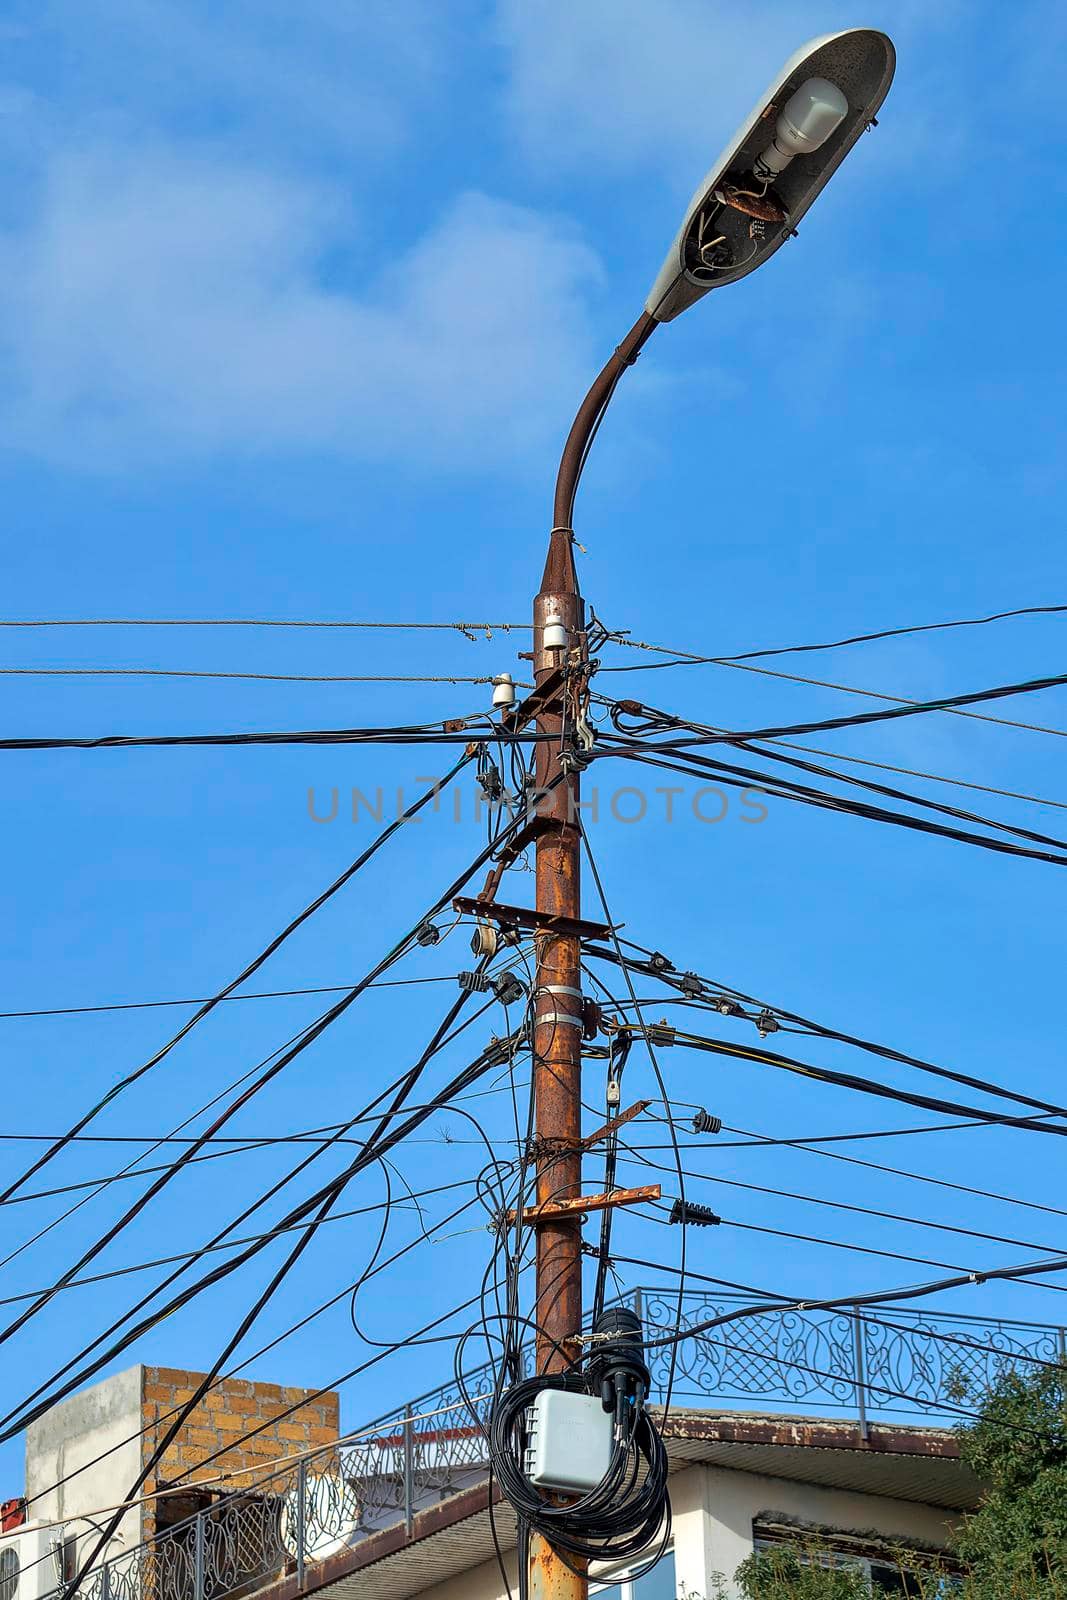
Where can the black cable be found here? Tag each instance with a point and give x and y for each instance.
(735, 777)
(299, 1213)
(619, 1050)
(918, 708)
(847, 1080)
(657, 1073)
(200, 1000)
(201, 1388)
(411, 734)
(671, 978)
(866, 638)
(294, 1216)
(918, 1177)
(756, 1141)
(253, 966)
(891, 793)
(256, 1355)
(229, 1244)
(639, 1159)
(308, 1037)
(879, 1297)
(625, 1515)
(233, 1147)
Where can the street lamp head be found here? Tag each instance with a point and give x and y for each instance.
(779, 160)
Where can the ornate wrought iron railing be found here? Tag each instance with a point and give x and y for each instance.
(932, 1367)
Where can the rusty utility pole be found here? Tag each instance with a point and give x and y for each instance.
(557, 1053)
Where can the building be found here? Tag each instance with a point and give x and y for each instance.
(261, 1495)
(739, 1481)
(83, 1455)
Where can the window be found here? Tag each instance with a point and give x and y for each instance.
(9, 1572)
(659, 1584)
(884, 1575)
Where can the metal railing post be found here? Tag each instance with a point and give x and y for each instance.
(859, 1371)
(105, 1581)
(301, 1519)
(1062, 1332)
(198, 1557)
(409, 1470)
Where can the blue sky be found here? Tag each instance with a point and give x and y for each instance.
(295, 308)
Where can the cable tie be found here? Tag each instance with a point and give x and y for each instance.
(627, 361)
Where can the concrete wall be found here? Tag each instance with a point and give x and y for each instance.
(714, 1509)
(103, 1421)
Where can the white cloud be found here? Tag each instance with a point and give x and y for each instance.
(325, 77)
(160, 304)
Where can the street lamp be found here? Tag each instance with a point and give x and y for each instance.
(751, 200)
(744, 210)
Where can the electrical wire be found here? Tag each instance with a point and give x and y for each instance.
(658, 967)
(753, 1141)
(657, 1073)
(233, 1147)
(930, 777)
(261, 677)
(637, 1157)
(746, 778)
(371, 1151)
(468, 628)
(253, 966)
(229, 1244)
(846, 1080)
(310, 1035)
(901, 708)
(256, 1355)
(201, 1000)
(856, 638)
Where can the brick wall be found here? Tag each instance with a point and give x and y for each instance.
(238, 1425)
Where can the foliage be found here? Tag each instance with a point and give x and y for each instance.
(1014, 1547)
(1016, 1543)
(786, 1574)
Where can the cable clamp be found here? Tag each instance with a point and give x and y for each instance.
(557, 1017)
(627, 361)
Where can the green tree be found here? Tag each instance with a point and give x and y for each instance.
(786, 1574)
(1016, 1543)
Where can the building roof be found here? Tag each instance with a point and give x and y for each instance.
(913, 1464)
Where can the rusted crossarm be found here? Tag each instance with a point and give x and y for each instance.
(615, 1123)
(553, 1210)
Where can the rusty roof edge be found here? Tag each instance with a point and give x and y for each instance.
(732, 1427)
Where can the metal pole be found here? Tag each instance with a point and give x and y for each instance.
(409, 1471)
(198, 1557)
(557, 1052)
(301, 1519)
(859, 1371)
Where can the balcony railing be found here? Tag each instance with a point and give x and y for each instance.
(928, 1367)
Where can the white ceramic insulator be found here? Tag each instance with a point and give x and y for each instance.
(554, 636)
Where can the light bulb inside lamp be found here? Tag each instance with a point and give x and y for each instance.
(806, 122)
